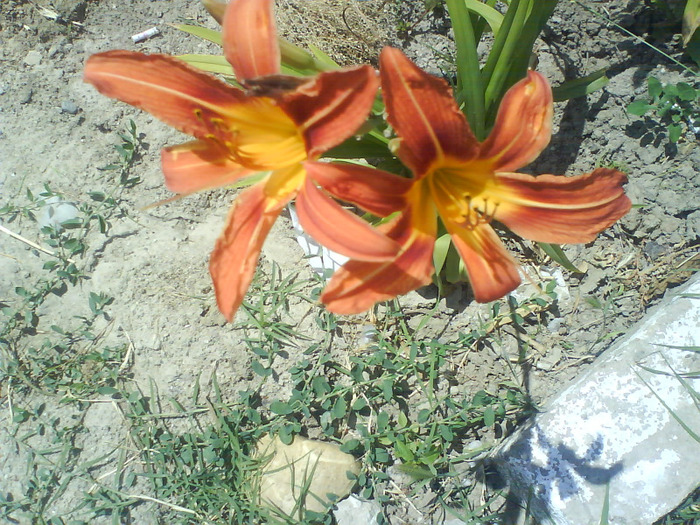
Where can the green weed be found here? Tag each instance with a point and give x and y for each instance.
(674, 107)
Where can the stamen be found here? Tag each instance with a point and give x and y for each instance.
(464, 196)
(478, 211)
(217, 123)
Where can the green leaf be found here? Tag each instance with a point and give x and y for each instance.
(693, 48)
(259, 369)
(417, 472)
(381, 456)
(370, 145)
(493, 18)
(670, 92)
(686, 92)
(557, 255)
(340, 408)
(382, 421)
(512, 49)
(201, 32)
(580, 87)
(359, 404)
(470, 89)
(402, 420)
(674, 132)
(20, 415)
(350, 445)
(403, 451)
(209, 63)
(442, 245)
(423, 416)
(606, 506)
(446, 433)
(639, 108)
(280, 408)
(209, 454)
(690, 348)
(387, 387)
(489, 417)
(72, 224)
(107, 390)
(691, 20)
(654, 86)
(298, 60)
(323, 60)
(675, 416)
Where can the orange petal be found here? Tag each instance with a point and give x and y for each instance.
(373, 190)
(250, 38)
(235, 256)
(166, 87)
(358, 285)
(523, 125)
(330, 107)
(492, 271)
(339, 230)
(557, 209)
(199, 165)
(421, 109)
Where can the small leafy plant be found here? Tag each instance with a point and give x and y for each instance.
(673, 106)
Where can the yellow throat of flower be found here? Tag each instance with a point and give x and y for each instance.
(263, 137)
(464, 193)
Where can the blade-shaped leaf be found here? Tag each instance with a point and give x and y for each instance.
(209, 63)
(493, 18)
(200, 32)
(442, 245)
(555, 252)
(675, 416)
(581, 86)
(691, 20)
(470, 90)
(689, 348)
(323, 59)
(513, 49)
(606, 506)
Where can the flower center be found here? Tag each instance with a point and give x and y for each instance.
(259, 135)
(464, 193)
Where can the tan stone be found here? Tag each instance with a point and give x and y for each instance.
(303, 474)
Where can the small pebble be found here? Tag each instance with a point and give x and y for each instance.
(24, 95)
(68, 106)
(33, 58)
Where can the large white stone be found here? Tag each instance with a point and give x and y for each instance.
(610, 426)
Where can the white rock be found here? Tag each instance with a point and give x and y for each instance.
(354, 511)
(33, 58)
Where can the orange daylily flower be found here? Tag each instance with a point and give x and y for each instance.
(279, 125)
(467, 184)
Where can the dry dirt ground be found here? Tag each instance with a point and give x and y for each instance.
(56, 130)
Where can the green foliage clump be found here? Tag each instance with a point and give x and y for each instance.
(674, 107)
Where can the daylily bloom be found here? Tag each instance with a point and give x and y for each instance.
(278, 125)
(468, 184)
